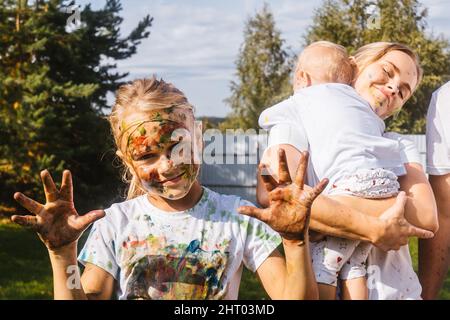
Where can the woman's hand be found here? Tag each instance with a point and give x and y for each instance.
(289, 204)
(397, 230)
(57, 222)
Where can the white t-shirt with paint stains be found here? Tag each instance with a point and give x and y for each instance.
(194, 254)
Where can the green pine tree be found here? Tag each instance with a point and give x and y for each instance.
(263, 69)
(53, 87)
(353, 23)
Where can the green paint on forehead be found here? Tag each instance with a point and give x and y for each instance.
(142, 131)
(173, 113)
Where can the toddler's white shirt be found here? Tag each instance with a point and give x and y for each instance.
(343, 132)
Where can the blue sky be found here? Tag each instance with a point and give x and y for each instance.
(194, 43)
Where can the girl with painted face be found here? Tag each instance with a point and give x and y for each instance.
(172, 238)
(158, 149)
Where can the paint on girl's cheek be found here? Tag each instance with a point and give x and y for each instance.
(152, 174)
(150, 182)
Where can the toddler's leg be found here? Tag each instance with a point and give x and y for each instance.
(328, 257)
(354, 289)
(353, 274)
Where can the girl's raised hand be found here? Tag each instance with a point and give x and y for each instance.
(57, 222)
(289, 204)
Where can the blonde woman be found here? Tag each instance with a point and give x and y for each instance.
(387, 74)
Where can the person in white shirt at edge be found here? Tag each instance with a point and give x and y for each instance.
(386, 77)
(434, 254)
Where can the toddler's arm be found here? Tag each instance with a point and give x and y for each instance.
(351, 217)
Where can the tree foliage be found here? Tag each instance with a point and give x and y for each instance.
(262, 71)
(53, 87)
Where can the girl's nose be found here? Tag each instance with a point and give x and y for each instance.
(165, 163)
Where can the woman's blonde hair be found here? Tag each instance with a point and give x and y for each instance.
(373, 52)
(141, 95)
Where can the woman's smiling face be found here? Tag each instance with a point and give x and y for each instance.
(388, 82)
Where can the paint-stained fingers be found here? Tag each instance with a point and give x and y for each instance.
(318, 189)
(283, 171)
(260, 214)
(301, 169)
(308, 197)
(66, 192)
(268, 180)
(51, 193)
(28, 203)
(82, 222)
(26, 221)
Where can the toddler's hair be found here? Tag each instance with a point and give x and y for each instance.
(334, 65)
(142, 95)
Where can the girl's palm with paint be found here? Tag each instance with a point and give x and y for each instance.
(290, 204)
(57, 222)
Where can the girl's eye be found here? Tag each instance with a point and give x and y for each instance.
(401, 94)
(147, 156)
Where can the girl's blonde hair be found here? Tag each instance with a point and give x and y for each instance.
(373, 52)
(137, 96)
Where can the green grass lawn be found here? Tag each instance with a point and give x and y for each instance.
(25, 271)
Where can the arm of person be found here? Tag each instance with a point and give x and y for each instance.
(97, 283)
(288, 213)
(94, 284)
(295, 268)
(346, 217)
(434, 256)
(59, 227)
(420, 209)
(66, 275)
